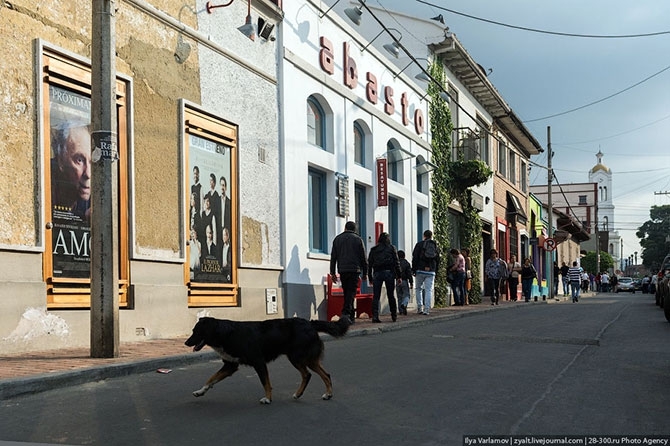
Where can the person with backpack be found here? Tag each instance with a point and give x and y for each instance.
(384, 269)
(406, 283)
(425, 261)
(495, 270)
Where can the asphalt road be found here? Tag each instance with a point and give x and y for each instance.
(600, 366)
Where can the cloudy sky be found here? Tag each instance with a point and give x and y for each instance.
(541, 74)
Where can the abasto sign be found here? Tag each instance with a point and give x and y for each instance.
(350, 72)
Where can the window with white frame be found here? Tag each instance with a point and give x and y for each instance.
(359, 145)
(484, 141)
(318, 218)
(316, 123)
(523, 178)
(502, 159)
(511, 175)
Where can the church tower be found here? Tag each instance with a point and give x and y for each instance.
(602, 176)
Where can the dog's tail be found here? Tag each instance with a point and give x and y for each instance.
(335, 329)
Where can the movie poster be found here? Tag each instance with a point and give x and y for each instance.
(70, 166)
(211, 240)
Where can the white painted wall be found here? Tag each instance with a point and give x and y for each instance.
(302, 76)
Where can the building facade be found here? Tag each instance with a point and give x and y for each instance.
(197, 112)
(485, 126)
(354, 144)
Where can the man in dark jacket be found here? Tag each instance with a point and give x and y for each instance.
(348, 253)
(384, 269)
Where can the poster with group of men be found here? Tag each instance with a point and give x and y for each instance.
(210, 218)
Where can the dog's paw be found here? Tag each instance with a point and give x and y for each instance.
(327, 396)
(296, 396)
(265, 400)
(200, 392)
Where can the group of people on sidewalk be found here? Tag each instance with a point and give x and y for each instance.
(385, 266)
(499, 272)
(389, 268)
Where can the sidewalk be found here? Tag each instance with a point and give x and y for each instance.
(40, 371)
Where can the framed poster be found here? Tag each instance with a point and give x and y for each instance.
(66, 130)
(211, 159)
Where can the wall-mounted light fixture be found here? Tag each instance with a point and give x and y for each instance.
(248, 29)
(443, 94)
(209, 6)
(392, 48)
(356, 13)
(424, 167)
(183, 48)
(410, 63)
(397, 153)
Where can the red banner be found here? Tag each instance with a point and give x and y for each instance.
(382, 182)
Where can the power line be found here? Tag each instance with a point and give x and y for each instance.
(620, 134)
(555, 33)
(599, 100)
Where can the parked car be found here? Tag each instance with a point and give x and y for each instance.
(661, 284)
(637, 283)
(625, 284)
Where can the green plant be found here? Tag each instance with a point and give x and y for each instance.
(441, 128)
(452, 181)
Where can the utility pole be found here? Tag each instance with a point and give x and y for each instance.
(104, 178)
(550, 221)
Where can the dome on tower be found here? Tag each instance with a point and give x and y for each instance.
(600, 165)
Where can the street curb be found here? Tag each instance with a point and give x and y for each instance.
(49, 381)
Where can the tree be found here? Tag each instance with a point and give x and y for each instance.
(654, 236)
(589, 262)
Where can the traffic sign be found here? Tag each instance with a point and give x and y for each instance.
(549, 244)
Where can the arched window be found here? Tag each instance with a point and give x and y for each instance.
(359, 144)
(605, 224)
(316, 123)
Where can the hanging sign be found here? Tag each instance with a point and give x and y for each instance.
(382, 182)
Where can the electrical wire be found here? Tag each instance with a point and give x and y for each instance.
(599, 100)
(555, 33)
(618, 134)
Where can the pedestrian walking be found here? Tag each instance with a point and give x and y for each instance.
(605, 282)
(513, 270)
(575, 275)
(528, 274)
(406, 283)
(465, 252)
(425, 261)
(457, 271)
(348, 255)
(384, 269)
(494, 270)
(565, 279)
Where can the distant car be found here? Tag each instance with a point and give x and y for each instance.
(638, 284)
(625, 284)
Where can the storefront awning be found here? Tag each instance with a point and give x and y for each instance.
(515, 210)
